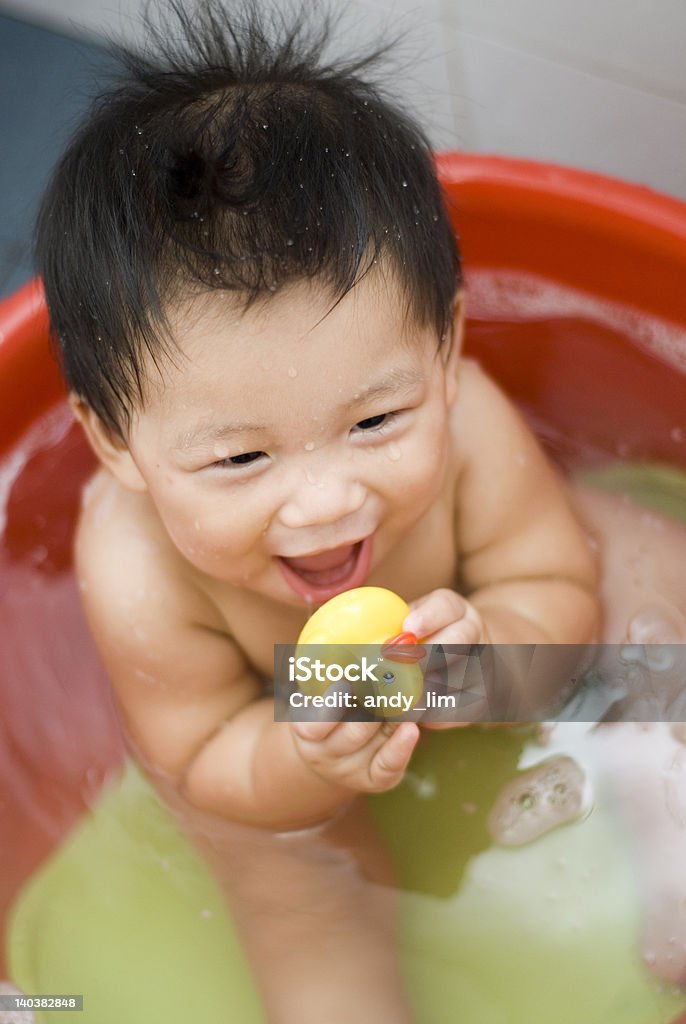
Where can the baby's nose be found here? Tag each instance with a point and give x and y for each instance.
(321, 499)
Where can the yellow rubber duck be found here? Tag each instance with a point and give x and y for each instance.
(370, 618)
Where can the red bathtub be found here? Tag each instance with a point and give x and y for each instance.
(577, 305)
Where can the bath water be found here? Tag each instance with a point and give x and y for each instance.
(519, 853)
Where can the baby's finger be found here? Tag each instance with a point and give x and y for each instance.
(331, 711)
(388, 764)
(434, 612)
(313, 732)
(463, 634)
(350, 737)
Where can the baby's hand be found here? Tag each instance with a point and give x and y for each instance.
(365, 757)
(443, 617)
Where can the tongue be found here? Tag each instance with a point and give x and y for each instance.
(325, 560)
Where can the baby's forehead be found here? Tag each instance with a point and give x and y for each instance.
(219, 346)
(301, 309)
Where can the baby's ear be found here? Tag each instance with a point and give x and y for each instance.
(452, 346)
(109, 449)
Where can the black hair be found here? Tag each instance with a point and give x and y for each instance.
(231, 156)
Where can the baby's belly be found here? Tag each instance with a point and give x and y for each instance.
(643, 561)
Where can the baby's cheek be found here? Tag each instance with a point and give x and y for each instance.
(424, 477)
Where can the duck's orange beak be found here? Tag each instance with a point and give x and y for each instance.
(403, 647)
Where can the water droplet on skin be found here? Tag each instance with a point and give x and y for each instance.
(310, 477)
(292, 372)
(309, 446)
(520, 459)
(220, 451)
(394, 451)
(196, 524)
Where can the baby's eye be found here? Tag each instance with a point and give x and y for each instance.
(239, 460)
(373, 422)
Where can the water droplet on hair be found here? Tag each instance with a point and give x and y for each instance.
(292, 372)
(394, 451)
(265, 125)
(404, 184)
(435, 217)
(121, 152)
(309, 446)
(677, 435)
(289, 241)
(216, 271)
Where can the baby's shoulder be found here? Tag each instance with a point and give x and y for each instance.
(127, 566)
(477, 393)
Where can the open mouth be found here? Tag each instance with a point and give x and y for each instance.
(320, 577)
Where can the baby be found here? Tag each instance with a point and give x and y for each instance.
(255, 288)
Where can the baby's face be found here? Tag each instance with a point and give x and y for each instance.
(291, 448)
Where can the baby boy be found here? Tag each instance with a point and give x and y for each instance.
(255, 288)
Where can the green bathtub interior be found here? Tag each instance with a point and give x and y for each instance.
(126, 913)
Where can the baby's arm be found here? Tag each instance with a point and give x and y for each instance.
(527, 567)
(528, 575)
(193, 706)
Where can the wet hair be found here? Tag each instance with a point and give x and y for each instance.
(230, 155)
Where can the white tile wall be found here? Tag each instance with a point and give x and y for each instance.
(598, 84)
(530, 106)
